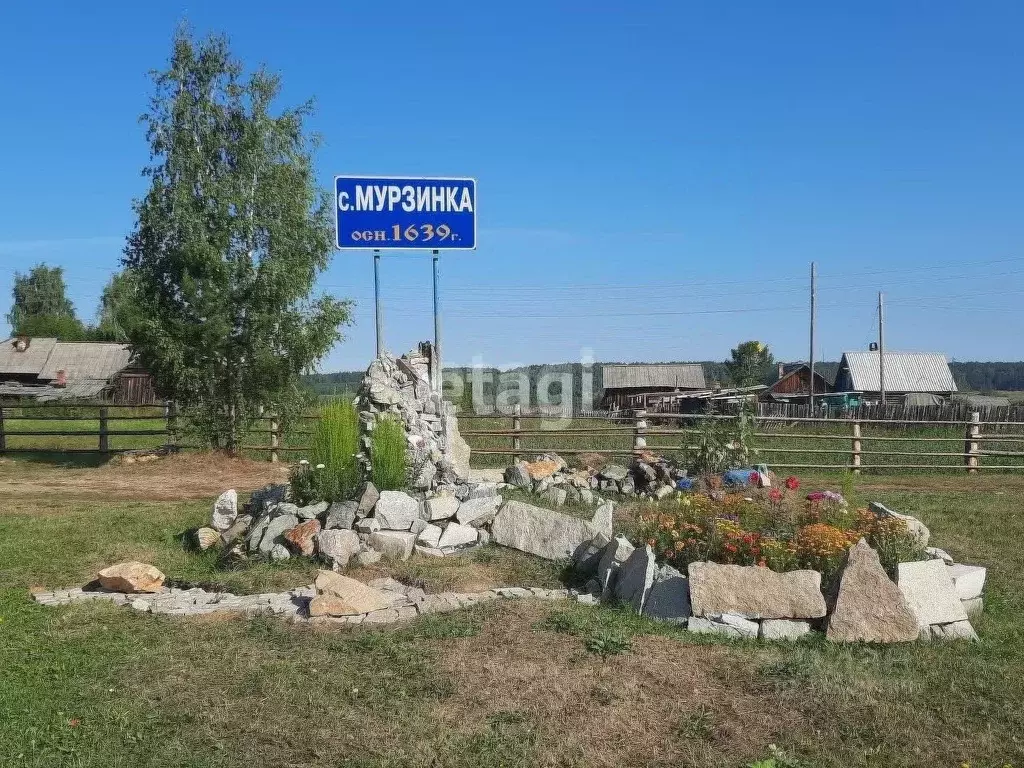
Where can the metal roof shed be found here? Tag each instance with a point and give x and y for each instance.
(904, 372)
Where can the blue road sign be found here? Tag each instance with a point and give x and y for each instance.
(390, 212)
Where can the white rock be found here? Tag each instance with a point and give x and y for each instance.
(429, 551)
(601, 522)
(441, 507)
(968, 580)
(726, 624)
(430, 536)
(395, 545)
(338, 545)
(478, 511)
(396, 511)
(916, 528)
(483, 490)
(368, 557)
(367, 525)
(456, 535)
(957, 630)
(225, 510)
(929, 591)
(783, 629)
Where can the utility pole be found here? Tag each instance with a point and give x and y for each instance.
(881, 346)
(814, 299)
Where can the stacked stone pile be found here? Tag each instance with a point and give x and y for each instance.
(393, 524)
(550, 477)
(930, 599)
(401, 388)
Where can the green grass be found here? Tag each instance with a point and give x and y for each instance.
(520, 684)
(387, 455)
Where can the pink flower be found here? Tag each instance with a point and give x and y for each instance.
(775, 495)
(792, 483)
(755, 477)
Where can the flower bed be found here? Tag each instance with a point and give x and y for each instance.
(777, 527)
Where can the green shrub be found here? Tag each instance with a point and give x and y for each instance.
(335, 445)
(387, 454)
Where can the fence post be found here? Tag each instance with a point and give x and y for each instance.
(104, 437)
(275, 438)
(517, 426)
(640, 430)
(171, 418)
(855, 456)
(3, 435)
(971, 458)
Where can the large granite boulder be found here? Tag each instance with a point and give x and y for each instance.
(869, 606)
(274, 533)
(542, 532)
(755, 592)
(396, 545)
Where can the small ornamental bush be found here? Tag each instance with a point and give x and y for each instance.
(772, 528)
(387, 454)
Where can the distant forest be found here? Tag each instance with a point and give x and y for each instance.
(969, 376)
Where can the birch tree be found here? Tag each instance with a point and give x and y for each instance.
(228, 243)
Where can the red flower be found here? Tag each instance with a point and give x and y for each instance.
(755, 477)
(792, 483)
(775, 495)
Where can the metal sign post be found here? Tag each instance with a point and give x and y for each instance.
(405, 213)
(437, 329)
(378, 313)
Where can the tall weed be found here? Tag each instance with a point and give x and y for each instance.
(335, 445)
(387, 454)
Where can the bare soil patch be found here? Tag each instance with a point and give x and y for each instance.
(661, 703)
(174, 478)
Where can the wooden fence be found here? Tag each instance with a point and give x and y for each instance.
(798, 442)
(849, 444)
(83, 423)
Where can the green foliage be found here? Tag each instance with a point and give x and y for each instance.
(387, 454)
(227, 245)
(304, 483)
(778, 758)
(335, 445)
(39, 294)
(606, 642)
(751, 364)
(52, 326)
(120, 312)
(719, 448)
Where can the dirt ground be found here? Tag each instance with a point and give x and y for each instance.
(171, 478)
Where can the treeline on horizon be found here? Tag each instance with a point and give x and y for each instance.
(969, 376)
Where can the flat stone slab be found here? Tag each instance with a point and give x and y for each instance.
(869, 606)
(456, 535)
(783, 629)
(755, 592)
(728, 625)
(968, 580)
(541, 532)
(929, 591)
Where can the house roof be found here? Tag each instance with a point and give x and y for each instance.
(28, 362)
(792, 369)
(79, 360)
(904, 372)
(674, 375)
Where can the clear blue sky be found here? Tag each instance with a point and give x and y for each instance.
(654, 178)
